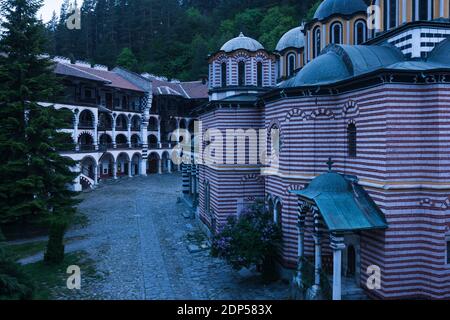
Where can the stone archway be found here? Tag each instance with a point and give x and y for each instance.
(106, 165)
(136, 164)
(153, 163)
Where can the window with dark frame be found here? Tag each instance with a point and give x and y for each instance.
(224, 74)
(259, 75)
(241, 73)
(352, 140)
(336, 33)
(360, 32)
(316, 42)
(291, 65)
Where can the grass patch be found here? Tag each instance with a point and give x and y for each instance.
(19, 251)
(50, 281)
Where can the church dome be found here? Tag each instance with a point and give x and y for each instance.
(242, 42)
(341, 7)
(329, 182)
(340, 62)
(292, 39)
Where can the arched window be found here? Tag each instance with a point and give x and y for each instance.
(224, 74)
(316, 42)
(291, 65)
(241, 73)
(86, 120)
(259, 74)
(336, 33)
(360, 32)
(352, 140)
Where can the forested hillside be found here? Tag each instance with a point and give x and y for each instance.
(169, 37)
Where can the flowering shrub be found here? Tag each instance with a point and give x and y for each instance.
(248, 240)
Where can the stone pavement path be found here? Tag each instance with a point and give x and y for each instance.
(137, 236)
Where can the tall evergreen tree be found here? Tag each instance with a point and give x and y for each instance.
(163, 34)
(127, 60)
(34, 177)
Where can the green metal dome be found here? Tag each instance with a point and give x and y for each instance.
(330, 182)
(294, 38)
(341, 7)
(340, 62)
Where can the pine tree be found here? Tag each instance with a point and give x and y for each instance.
(14, 283)
(34, 177)
(126, 59)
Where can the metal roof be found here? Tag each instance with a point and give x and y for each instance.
(340, 62)
(242, 42)
(343, 7)
(441, 52)
(343, 203)
(109, 78)
(243, 97)
(294, 38)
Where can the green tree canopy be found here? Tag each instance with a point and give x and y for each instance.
(34, 177)
(165, 35)
(127, 59)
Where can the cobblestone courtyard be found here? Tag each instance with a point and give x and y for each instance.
(138, 238)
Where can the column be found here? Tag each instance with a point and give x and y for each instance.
(143, 167)
(315, 293)
(129, 169)
(169, 166)
(115, 170)
(159, 166)
(317, 259)
(75, 133)
(114, 132)
(159, 132)
(96, 175)
(337, 244)
(129, 133)
(144, 133)
(303, 209)
(96, 134)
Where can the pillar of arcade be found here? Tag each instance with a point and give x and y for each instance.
(315, 292)
(337, 245)
(298, 279)
(160, 163)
